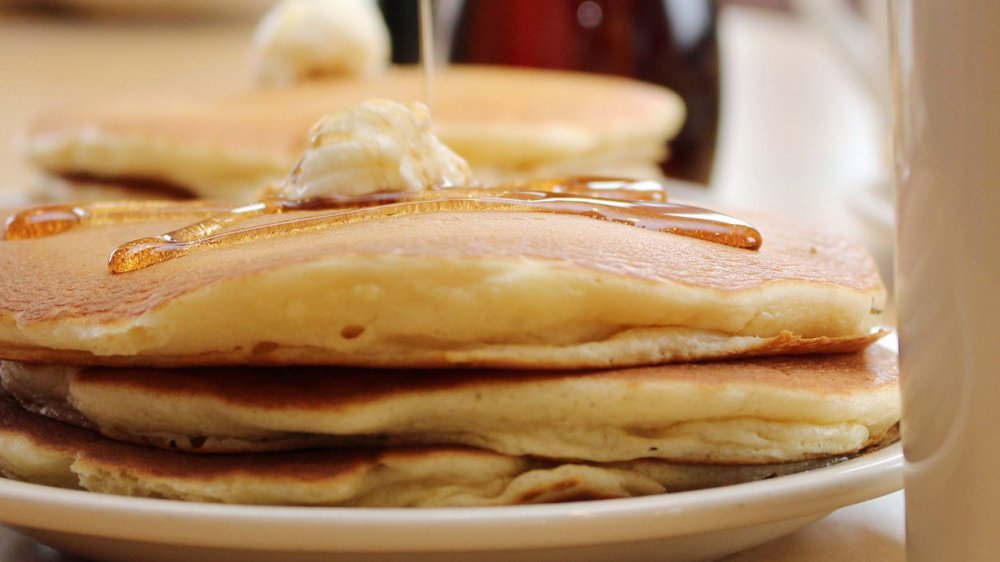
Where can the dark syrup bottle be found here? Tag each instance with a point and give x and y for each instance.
(667, 42)
(402, 18)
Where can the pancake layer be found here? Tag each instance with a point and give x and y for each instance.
(39, 450)
(522, 290)
(781, 409)
(506, 122)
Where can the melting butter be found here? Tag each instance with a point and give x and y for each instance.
(375, 146)
(301, 39)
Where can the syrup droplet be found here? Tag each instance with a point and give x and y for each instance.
(574, 197)
(48, 220)
(43, 221)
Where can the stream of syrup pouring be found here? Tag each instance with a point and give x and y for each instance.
(641, 204)
(427, 50)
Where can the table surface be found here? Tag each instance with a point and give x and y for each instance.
(49, 62)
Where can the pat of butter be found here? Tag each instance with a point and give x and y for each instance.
(375, 146)
(299, 39)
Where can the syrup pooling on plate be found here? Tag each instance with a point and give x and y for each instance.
(48, 220)
(593, 198)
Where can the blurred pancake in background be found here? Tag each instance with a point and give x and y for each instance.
(508, 123)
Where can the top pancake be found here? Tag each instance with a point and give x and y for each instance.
(438, 289)
(494, 117)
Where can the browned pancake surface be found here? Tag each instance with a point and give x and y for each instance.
(314, 464)
(329, 388)
(66, 275)
(275, 120)
(39, 450)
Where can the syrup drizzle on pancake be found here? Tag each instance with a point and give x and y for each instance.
(639, 204)
(48, 220)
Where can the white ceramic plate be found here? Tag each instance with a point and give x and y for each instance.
(688, 526)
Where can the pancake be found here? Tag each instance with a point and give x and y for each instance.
(508, 123)
(498, 289)
(36, 449)
(781, 409)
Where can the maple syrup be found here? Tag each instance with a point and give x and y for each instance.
(48, 220)
(638, 204)
(604, 199)
(427, 49)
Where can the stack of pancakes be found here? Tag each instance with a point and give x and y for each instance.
(508, 123)
(440, 358)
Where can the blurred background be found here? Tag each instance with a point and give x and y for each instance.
(786, 98)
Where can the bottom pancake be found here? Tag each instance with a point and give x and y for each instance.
(43, 451)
